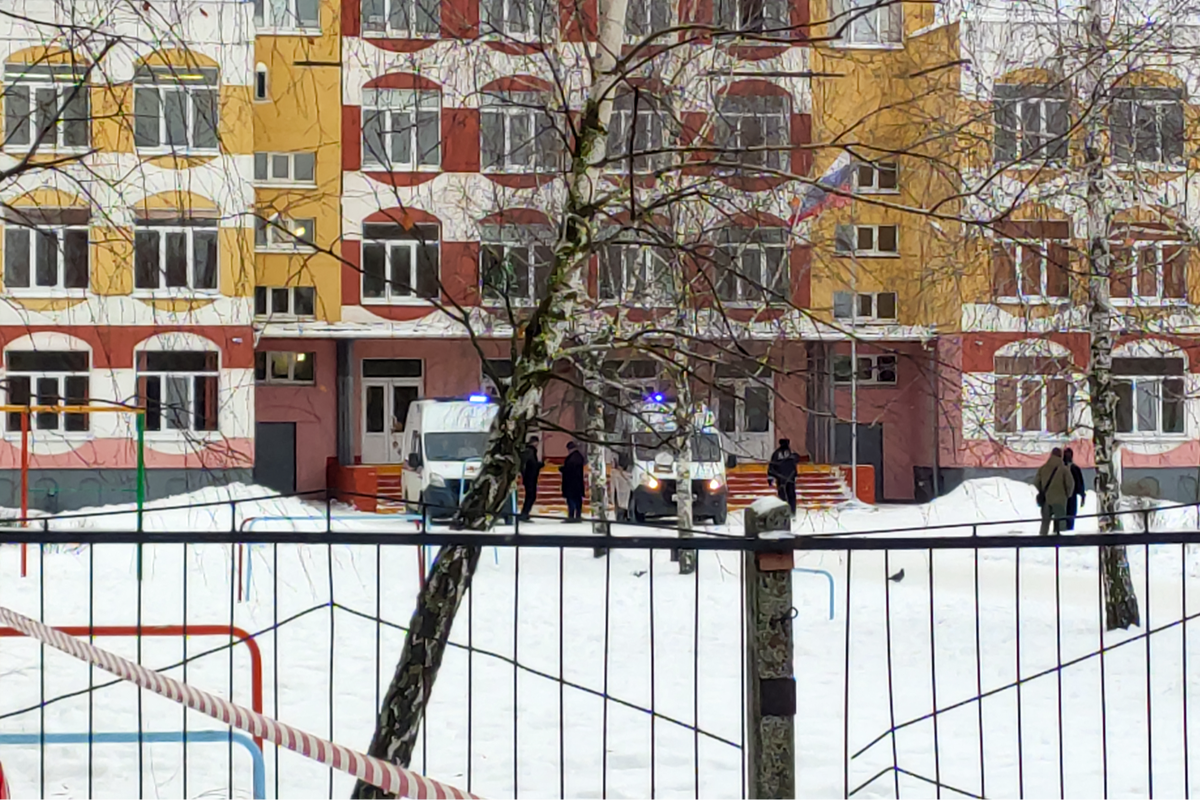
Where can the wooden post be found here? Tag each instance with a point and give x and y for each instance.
(770, 679)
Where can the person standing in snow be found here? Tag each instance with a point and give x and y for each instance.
(1075, 501)
(572, 482)
(531, 468)
(1054, 485)
(782, 472)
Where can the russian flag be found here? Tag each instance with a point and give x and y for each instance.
(823, 194)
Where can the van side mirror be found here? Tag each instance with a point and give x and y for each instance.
(414, 460)
(730, 461)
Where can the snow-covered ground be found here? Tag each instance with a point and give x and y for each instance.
(340, 651)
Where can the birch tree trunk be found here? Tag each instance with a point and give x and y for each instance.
(1121, 608)
(685, 414)
(597, 471)
(550, 323)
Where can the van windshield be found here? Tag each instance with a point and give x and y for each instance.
(705, 446)
(455, 446)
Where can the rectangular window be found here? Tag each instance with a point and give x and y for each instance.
(1147, 126)
(1150, 395)
(865, 306)
(287, 15)
(515, 263)
(752, 265)
(755, 16)
(282, 301)
(637, 273)
(1032, 404)
(1031, 271)
(47, 378)
(399, 263)
(175, 255)
(867, 240)
(870, 370)
(754, 131)
(1031, 123)
(744, 394)
(639, 128)
(46, 107)
(179, 389)
(881, 177)
(404, 19)
(285, 168)
(289, 235)
(402, 128)
(175, 108)
(867, 22)
(44, 259)
(1149, 272)
(644, 18)
(284, 367)
(518, 134)
(524, 20)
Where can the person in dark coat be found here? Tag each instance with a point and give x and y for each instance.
(531, 468)
(1075, 501)
(572, 482)
(782, 472)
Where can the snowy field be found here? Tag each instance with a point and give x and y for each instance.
(337, 650)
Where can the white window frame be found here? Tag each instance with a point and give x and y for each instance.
(166, 430)
(279, 234)
(268, 295)
(62, 80)
(509, 106)
(873, 251)
(390, 295)
(509, 238)
(653, 281)
(534, 11)
(59, 420)
(191, 288)
(392, 11)
(289, 359)
(657, 14)
(745, 291)
(1157, 299)
(1157, 104)
(650, 135)
(265, 173)
(192, 84)
(1023, 397)
(734, 116)
(423, 107)
(875, 170)
(865, 23)
(871, 300)
(1033, 144)
(870, 365)
(735, 389)
(1154, 385)
(285, 17)
(35, 289)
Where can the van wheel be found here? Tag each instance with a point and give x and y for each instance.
(721, 515)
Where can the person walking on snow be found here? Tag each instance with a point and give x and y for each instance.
(1075, 501)
(782, 472)
(1054, 485)
(531, 468)
(572, 482)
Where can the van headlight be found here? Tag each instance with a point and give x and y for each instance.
(714, 485)
(436, 480)
(651, 482)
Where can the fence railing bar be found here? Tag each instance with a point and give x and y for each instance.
(1028, 678)
(1103, 681)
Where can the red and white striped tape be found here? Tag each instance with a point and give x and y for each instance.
(387, 776)
(4, 795)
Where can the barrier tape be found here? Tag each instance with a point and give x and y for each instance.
(4, 795)
(387, 776)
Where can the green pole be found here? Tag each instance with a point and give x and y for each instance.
(141, 482)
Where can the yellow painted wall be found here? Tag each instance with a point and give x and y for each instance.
(304, 114)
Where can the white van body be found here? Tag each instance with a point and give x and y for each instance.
(654, 470)
(444, 443)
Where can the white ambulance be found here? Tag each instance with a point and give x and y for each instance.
(444, 442)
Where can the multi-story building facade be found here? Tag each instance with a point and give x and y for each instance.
(269, 230)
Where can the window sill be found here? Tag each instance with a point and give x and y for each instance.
(520, 171)
(1150, 302)
(867, 45)
(284, 383)
(46, 293)
(268, 318)
(753, 304)
(1033, 436)
(287, 251)
(876, 191)
(45, 149)
(640, 303)
(275, 184)
(1034, 301)
(264, 31)
(865, 321)
(397, 301)
(410, 36)
(174, 435)
(155, 152)
(73, 436)
(848, 385)
(1152, 438)
(175, 294)
(495, 305)
(370, 166)
(868, 254)
(1153, 166)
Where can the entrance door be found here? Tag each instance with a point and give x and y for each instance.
(385, 409)
(275, 456)
(870, 449)
(744, 417)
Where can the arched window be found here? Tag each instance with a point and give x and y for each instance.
(400, 262)
(34, 376)
(753, 129)
(402, 129)
(179, 385)
(176, 250)
(46, 106)
(515, 262)
(752, 265)
(1031, 122)
(45, 249)
(260, 82)
(407, 19)
(518, 133)
(1150, 382)
(176, 108)
(639, 128)
(636, 269)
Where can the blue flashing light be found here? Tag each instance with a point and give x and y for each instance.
(658, 398)
(478, 398)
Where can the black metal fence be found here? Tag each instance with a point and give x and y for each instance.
(929, 662)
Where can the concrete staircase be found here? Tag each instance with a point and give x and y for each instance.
(389, 486)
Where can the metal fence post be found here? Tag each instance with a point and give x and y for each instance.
(770, 679)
